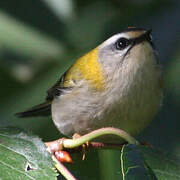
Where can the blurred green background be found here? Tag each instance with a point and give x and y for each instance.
(39, 40)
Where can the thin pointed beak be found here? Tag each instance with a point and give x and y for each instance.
(146, 36)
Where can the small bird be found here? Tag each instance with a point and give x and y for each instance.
(117, 84)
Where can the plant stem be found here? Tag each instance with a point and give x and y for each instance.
(63, 170)
(72, 143)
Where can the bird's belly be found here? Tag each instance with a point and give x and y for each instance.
(76, 116)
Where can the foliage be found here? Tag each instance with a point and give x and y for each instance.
(24, 156)
(140, 162)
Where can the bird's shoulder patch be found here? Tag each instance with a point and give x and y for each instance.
(87, 68)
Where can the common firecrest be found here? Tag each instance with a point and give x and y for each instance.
(117, 84)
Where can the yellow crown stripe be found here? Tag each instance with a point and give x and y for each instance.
(87, 67)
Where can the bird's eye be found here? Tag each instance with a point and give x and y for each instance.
(122, 43)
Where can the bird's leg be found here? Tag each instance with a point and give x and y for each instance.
(84, 146)
(76, 136)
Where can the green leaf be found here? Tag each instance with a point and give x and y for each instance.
(24, 156)
(139, 162)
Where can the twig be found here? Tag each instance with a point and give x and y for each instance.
(100, 145)
(72, 143)
(63, 170)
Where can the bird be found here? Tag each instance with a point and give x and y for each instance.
(117, 84)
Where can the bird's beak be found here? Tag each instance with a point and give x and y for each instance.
(146, 36)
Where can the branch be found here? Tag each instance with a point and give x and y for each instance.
(74, 144)
(63, 143)
(62, 169)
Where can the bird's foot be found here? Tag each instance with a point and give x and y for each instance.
(83, 146)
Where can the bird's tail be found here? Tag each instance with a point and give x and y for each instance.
(43, 109)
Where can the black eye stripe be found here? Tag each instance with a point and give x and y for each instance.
(123, 43)
(144, 37)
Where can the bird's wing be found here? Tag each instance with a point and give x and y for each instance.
(44, 109)
(84, 69)
(65, 83)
